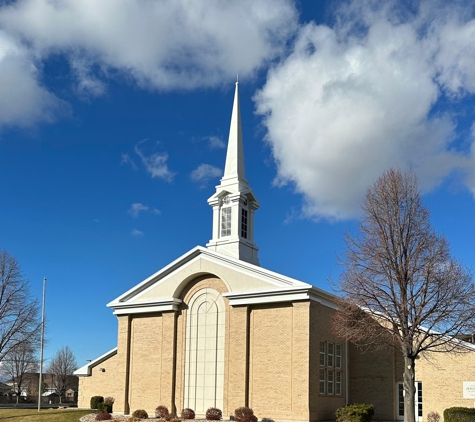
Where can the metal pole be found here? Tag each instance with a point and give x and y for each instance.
(42, 345)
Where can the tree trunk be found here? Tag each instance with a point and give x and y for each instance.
(409, 389)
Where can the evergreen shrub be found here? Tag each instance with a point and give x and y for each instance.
(95, 400)
(104, 407)
(459, 414)
(356, 412)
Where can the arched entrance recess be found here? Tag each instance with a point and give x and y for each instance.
(204, 351)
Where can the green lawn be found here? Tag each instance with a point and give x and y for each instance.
(45, 415)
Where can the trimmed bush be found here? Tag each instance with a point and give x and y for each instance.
(356, 412)
(162, 412)
(214, 414)
(109, 400)
(95, 400)
(243, 412)
(103, 416)
(187, 413)
(140, 414)
(104, 407)
(433, 417)
(459, 414)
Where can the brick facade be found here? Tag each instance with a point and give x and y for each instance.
(272, 364)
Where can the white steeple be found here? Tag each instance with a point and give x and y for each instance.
(234, 202)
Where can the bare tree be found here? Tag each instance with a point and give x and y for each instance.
(19, 364)
(18, 311)
(61, 369)
(401, 286)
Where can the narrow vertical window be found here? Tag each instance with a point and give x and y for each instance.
(338, 383)
(338, 356)
(322, 353)
(330, 383)
(400, 401)
(226, 221)
(331, 353)
(419, 399)
(322, 381)
(243, 223)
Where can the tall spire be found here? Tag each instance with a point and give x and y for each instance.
(234, 202)
(234, 167)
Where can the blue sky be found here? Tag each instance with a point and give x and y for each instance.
(114, 117)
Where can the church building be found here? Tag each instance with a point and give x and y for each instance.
(214, 329)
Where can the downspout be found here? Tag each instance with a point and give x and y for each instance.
(347, 377)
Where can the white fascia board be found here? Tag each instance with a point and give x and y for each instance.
(138, 288)
(253, 297)
(85, 371)
(171, 304)
(226, 261)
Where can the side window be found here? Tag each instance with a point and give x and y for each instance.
(338, 356)
(322, 381)
(330, 383)
(322, 353)
(244, 223)
(331, 352)
(329, 357)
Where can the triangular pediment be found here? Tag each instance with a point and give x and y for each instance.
(245, 282)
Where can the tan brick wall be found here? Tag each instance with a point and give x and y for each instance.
(373, 377)
(236, 358)
(323, 407)
(99, 383)
(442, 376)
(279, 348)
(112, 381)
(148, 335)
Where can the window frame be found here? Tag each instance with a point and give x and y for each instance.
(226, 221)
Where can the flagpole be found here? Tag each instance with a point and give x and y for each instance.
(42, 344)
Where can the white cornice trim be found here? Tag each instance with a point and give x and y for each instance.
(164, 305)
(85, 371)
(279, 295)
(121, 306)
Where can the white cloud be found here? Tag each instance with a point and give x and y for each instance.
(126, 159)
(136, 232)
(204, 173)
(156, 164)
(163, 45)
(353, 100)
(136, 208)
(23, 101)
(215, 142)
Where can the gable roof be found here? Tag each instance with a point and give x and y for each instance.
(87, 369)
(246, 284)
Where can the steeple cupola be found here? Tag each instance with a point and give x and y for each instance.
(234, 202)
